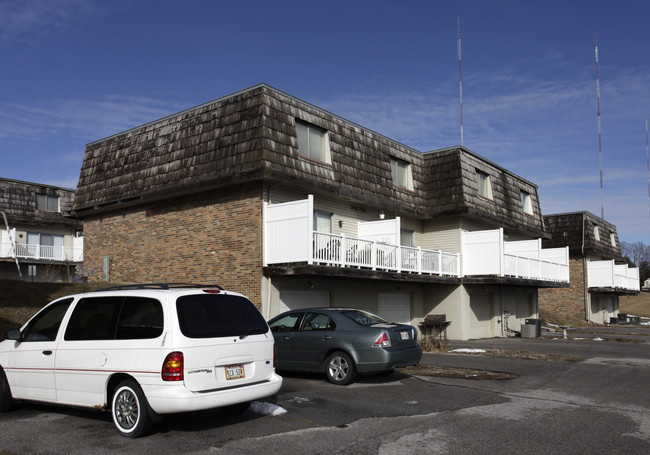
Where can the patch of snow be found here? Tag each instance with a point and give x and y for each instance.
(264, 408)
(598, 339)
(300, 400)
(411, 402)
(468, 350)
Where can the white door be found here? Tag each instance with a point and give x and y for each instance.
(296, 300)
(32, 360)
(395, 307)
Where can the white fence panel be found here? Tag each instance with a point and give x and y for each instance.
(385, 231)
(482, 252)
(288, 231)
(524, 248)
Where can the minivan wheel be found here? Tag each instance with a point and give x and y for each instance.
(340, 369)
(6, 400)
(130, 410)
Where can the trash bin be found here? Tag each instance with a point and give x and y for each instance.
(536, 325)
(622, 317)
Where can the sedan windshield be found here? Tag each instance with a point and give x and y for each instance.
(364, 318)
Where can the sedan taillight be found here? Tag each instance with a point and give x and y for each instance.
(172, 369)
(382, 341)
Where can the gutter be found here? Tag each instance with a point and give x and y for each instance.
(12, 242)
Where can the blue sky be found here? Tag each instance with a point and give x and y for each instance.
(76, 71)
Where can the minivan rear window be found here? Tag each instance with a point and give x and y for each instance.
(218, 315)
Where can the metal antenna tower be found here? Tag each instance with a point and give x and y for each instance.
(460, 76)
(647, 154)
(600, 143)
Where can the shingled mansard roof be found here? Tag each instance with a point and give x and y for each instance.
(577, 231)
(18, 202)
(251, 135)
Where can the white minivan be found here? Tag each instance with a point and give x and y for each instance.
(142, 351)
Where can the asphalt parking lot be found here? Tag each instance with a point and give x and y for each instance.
(598, 405)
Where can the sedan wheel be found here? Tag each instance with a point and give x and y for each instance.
(130, 410)
(340, 369)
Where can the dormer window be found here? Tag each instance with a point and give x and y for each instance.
(612, 238)
(484, 184)
(401, 173)
(596, 234)
(526, 202)
(313, 142)
(47, 203)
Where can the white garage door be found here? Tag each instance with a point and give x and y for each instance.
(395, 307)
(296, 300)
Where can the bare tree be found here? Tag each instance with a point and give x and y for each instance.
(637, 252)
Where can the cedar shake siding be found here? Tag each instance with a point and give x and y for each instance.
(251, 136)
(18, 201)
(566, 229)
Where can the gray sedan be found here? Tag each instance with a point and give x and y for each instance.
(342, 342)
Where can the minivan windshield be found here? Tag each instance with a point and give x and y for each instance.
(218, 315)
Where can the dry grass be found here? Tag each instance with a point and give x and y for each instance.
(21, 300)
(525, 355)
(638, 305)
(456, 373)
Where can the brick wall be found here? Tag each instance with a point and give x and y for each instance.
(567, 301)
(213, 237)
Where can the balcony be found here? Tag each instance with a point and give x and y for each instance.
(290, 238)
(42, 252)
(608, 274)
(487, 253)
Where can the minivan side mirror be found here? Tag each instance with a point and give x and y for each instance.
(14, 334)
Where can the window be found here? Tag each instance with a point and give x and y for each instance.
(218, 315)
(596, 233)
(612, 238)
(401, 173)
(313, 142)
(317, 321)
(484, 184)
(45, 246)
(109, 318)
(286, 323)
(526, 202)
(406, 237)
(322, 222)
(45, 325)
(47, 203)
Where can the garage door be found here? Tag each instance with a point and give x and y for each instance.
(296, 300)
(395, 307)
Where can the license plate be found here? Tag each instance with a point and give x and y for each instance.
(235, 372)
(404, 335)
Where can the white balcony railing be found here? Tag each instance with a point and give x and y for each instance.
(339, 250)
(487, 253)
(289, 238)
(45, 252)
(608, 274)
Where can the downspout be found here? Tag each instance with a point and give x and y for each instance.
(12, 242)
(584, 274)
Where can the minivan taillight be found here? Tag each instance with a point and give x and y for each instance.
(172, 369)
(275, 355)
(382, 341)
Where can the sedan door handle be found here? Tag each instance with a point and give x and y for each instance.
(47, 352)
(285, 339)
(326, 338)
